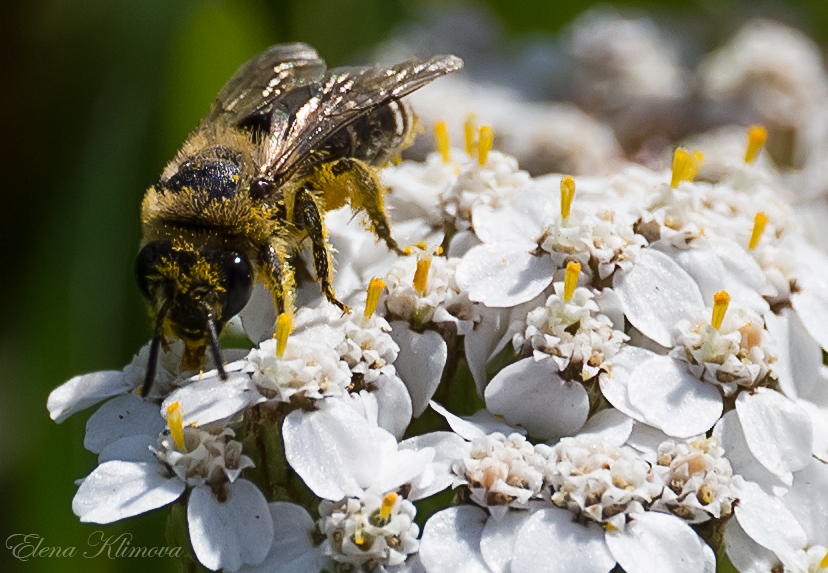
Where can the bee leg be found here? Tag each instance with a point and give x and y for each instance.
(308, 216)
(278, 277)
(365, 192)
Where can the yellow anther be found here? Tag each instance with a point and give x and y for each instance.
(484, 146)
(470, 130)
(759, 223)
(573, 271)
(421, 274)
(720, 301)
(374, 290)
(685, 165)
(422, 246)
(824, 563)
(567, 195)
(388, 504)
(284, 326)
(705, 494)
(175, 418)
(757, 136)
(441, 139)
(359, 533)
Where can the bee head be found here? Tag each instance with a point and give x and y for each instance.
(193, 292)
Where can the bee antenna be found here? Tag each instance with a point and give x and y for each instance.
(214, 344)
(152, 362)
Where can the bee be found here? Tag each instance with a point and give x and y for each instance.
(285, 141)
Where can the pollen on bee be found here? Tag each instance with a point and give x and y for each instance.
(175, 418)
(484, 145)
(470, 131)
(284, 326)
(685, 165)
(757, 136)
(573, 271)
(421, 274)
(374, 290)
(759, 223)
(720, 302)
(441, 139)
(567, 195)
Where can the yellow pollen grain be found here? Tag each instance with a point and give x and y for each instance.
(567, 195)
(720, 301)
(759, 223)
(388, 504)
(175, 418)
(470, 131)
(757, 136)
(284, 326)
(374, 290)
(441, 139)
(485, 144)
(573, 271)
(685, 165)
(421, 274)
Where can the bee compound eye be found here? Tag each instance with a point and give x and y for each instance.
(146, 263)
(239, 284)
(261, 189)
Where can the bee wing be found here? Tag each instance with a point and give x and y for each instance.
(263, 79)
(339, 98)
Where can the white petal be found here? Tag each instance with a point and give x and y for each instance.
(334, 450)
(614, 385)
(394, 405)
(669, 397)
(503, 274)
(777, 431)
(819, 422)
(130, 449)
(610, 425)
(229, 534)
(656, 293)
(420, 362)
(660, 542)
(646, 439)
(451, 541)
(83, 391)
(117, 489)
(448, 448)
(811, 305)
(768, 522)
(729, 432)
(210, 400)
(121, 417)
(799, 363)
(551, 542)
(476, 426)
(520, 222)
(480, 343)
(533, 395)
(808, 500)
(498, 540)
(745, 554)
(292, 550)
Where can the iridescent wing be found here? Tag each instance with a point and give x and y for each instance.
(263, 79)
(303, 119)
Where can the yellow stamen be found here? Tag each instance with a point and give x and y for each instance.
(567, 195)
(757, 136)
(470, 130)
(573, 271)
(374, 290)
(824, 563)
(359, 533)
(485, 144)
(175, 418)
(685, 165)
(441, 138)
(720, 301)
(421, 274)
(759, 223)
(284, 326)
(388, 504)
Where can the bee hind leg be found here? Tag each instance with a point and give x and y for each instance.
(308, 216)
(359, 182)
(279, 279)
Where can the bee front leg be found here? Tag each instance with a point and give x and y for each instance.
(365, 192)
(279, 279)
(308, 216)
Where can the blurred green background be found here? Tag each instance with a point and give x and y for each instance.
(96, 96)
